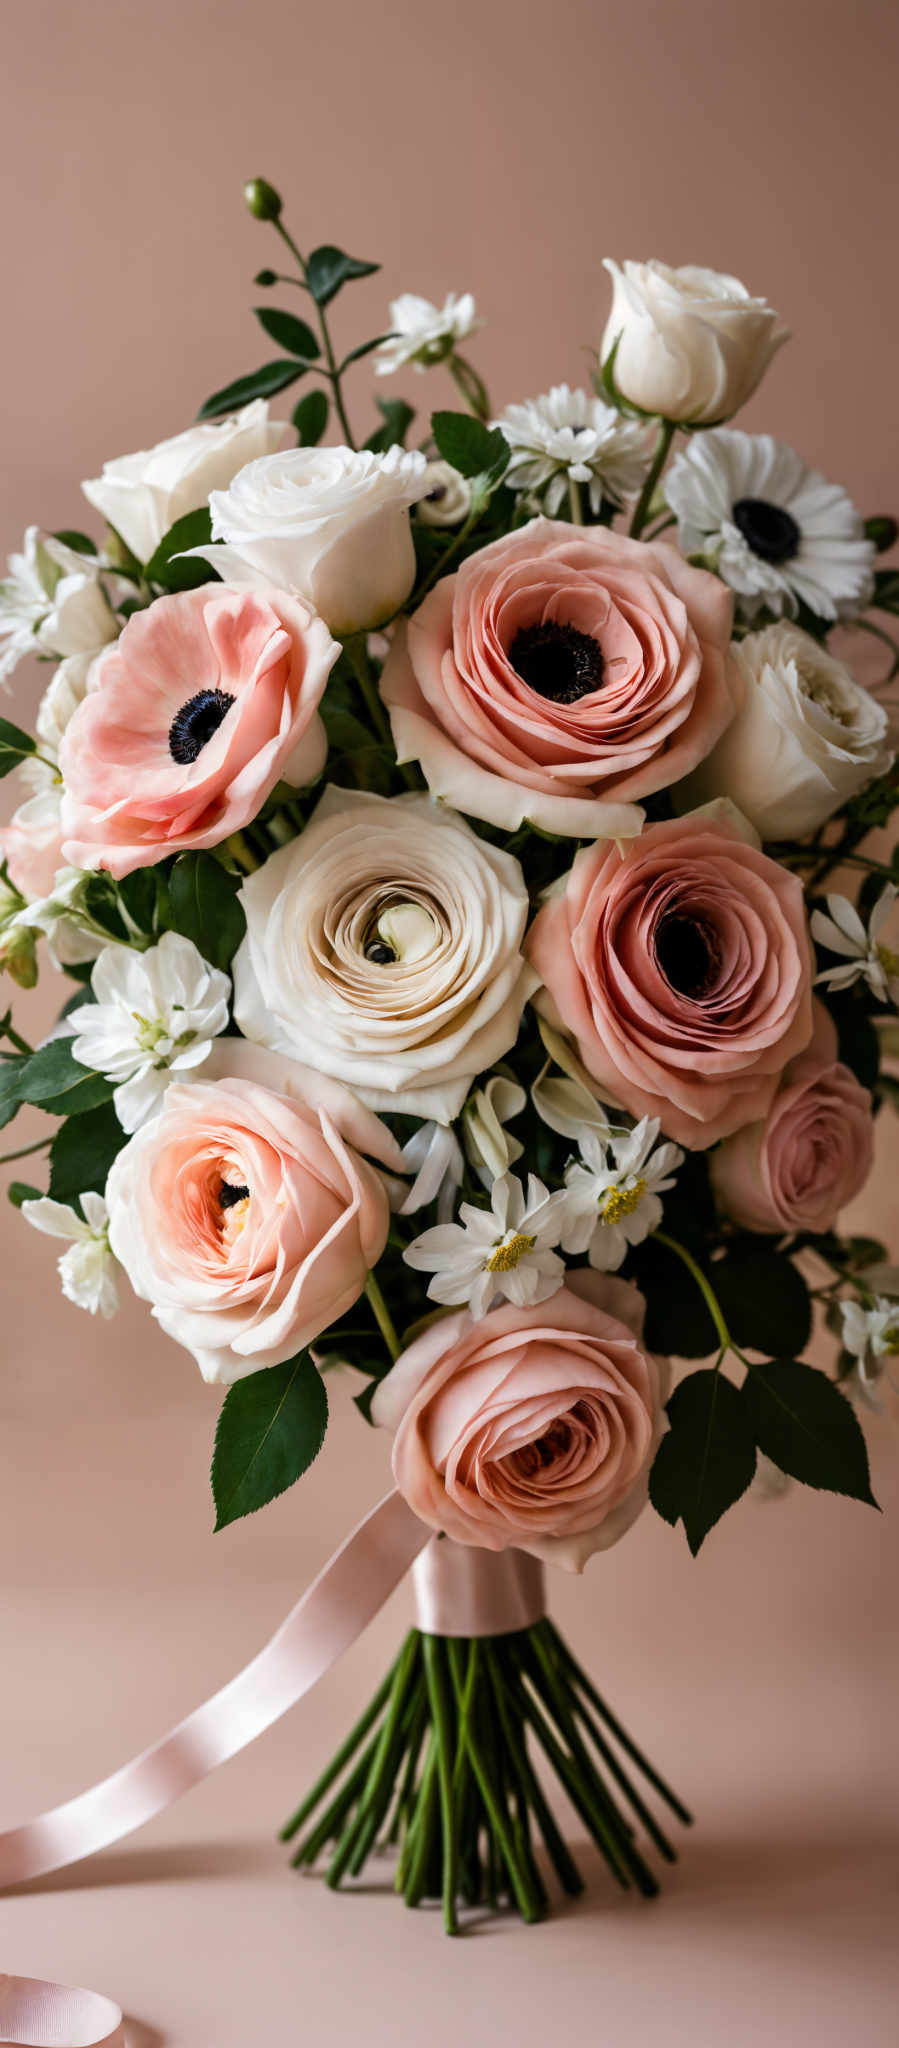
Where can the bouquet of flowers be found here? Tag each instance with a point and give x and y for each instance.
(447, 844)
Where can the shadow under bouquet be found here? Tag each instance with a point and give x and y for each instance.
(447, 844)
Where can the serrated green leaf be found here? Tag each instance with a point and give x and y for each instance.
(271, 1426)
(706, 1461)
(20, 1191)
(310, 418)
(193, 530)
(53, 1080)
(473, 449)
(677, 1320)
(364, 349)
(15, 746)
(802, 1422)
(203, 905)
(82, 1153)
(289, 332)
(80, 543)
(397, 417)
(11, 1071)
(262, 383)
(329, 268)
(764, 1298)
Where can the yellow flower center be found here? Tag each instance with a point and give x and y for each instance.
(618, 1202)
(509, 1253)
(889, 961)
(890, 1340)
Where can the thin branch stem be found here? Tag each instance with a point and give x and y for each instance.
(330, 358)
(40, 1144)
(382, 1316)
(705, 1287)
(667, 431)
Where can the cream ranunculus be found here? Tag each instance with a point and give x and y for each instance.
(329, 524)
(142, 495)
(806, 739)
(690, 344)
(382, 947)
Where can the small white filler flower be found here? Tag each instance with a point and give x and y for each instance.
(503, 1250)
(423, 333)
(88, 1270)
(568, 437)
(872, 1336)
(52, 602)
(864, 956)
(612, 1195)
(156, 1014)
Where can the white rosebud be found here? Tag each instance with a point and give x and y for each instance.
(423, 333)
(88, 1270)
(330, 525)
(489, 1146)
(447, 497)
(142, 495)
(806, 739)
(689, 344)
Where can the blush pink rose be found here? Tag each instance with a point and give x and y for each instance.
(204, 703)
(31, 845)
(812, 1153)
(246, 1213)
(680, 964)
(560, 674)
(533, 1428)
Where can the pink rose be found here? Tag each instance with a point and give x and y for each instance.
(204, 703)
(812, 1153)
(560, 674)
(246, 1214)
(681, 966)
(533, 1428)
(31, 845)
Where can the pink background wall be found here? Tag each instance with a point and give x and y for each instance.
(503, 148)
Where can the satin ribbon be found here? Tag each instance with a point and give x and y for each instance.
(35, 2014)
(461, 1591)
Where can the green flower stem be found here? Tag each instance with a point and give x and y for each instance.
(382, 1316)
(24, 1151)
(356, 651)
(565, 1866)
(574, 503)
(332, 1821)
(621, 1778)
(526, 1900)
(439, 1692)
(333, 374)
(471, 385)
(439, 568)
(585, 1685)
(342, 1757)
(423, 1828)
(667, 431)
(586, 1790)
(6, 1031)
(241, 853)
(705, 1288)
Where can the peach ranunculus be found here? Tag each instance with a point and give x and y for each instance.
(680, 965)
(205, 702)
(810, 1156)
(245, 1212)
(561, 674)
(533, 1428)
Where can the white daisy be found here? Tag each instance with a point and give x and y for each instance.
(503, 1250)
(865, 958)
(52, 602)
(778, 531)
(872, 1336)
(612, 1198)
(88, 1270)
(424, 333)
(156, 1013)
(568, 437)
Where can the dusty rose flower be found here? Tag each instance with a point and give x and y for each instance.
(533, 1428)
(204, 703)
(31, 844)
(812, 1153)
(681, 967)
(245, 1212)
(561, 674)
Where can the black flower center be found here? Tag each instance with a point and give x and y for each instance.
(232, 1192)
(380, 954)
(193, 726)
(769, 530)
(557, 661)
(687, 955)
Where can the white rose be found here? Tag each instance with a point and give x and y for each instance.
(808, 737)
(142, 495)
(382, 947)
(690, 344)
(329, 524)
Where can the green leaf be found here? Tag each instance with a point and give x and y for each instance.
(764, 1298)
(11, 1098)
(20, 1191)
(364, 349)
(193, 530)
(203, 906)
(803, 1423)
(328, 269)
(859, 1045)
(80, 543)
(886, 590)
(707, 1459)
(55, 1081)
(397, 417)
(82, 1153)
(264, 383)
(472, 448)
(271, 1426)
(310, 418)
(289, 332)
(677, 1320)
(15, 746)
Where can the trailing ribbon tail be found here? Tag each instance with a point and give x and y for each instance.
(338, 1605)
(35, 2014)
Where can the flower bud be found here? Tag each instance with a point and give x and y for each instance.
(266, 277)
(262, 199)
(883, 529)
(18, 956)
